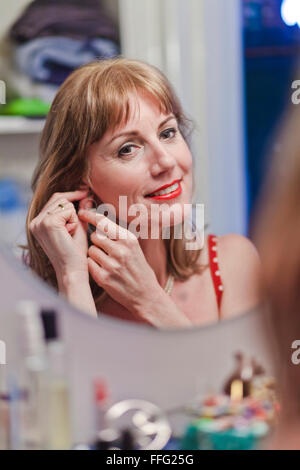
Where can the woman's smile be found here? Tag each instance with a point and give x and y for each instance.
(155, 165)
(167, 192)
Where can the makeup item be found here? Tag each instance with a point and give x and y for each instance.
(101, 395)
(56, 389)
(236, 390)
(4, 411)
(147, 422)
(226, 433)
(11, 397)
(232, 422)
(32, 375)
(15, 421)
(238, 385)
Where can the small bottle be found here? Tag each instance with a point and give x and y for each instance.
(15, 422)
(32, 375)
(4, 412)
(238, 385)
(101, 403)
(58, 413)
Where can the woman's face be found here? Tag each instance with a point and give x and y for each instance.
(138, 158)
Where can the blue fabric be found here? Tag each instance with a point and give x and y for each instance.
(51, 59)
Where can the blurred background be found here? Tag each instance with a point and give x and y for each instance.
(232, 63)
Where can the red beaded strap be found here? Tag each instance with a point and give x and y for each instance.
(214, 268)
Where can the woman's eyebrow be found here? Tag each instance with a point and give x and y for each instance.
(135, 133)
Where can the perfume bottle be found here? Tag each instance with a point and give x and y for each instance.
(32, 375)
(56, 388)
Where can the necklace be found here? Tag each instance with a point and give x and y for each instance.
(169, 284)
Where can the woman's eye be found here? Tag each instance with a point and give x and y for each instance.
(127, 149)
(169, 133)
(124, 150)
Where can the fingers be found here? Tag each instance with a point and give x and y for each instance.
(89, 216)
(98, 274)
(104, 224)
(52, 221)
(59, 205)
(102, 241)
(63, 198)
(71, 227)
(101, 258)
(69, 196)
(54, 217)
(53, 209)
(60, 217)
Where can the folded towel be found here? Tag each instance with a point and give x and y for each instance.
(73, 18)
(52, 59)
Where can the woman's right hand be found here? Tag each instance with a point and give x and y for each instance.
(62, 235)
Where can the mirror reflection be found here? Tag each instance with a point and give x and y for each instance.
(125, 217)
(140, 205)
(140, 159)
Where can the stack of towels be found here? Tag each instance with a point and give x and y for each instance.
(54, 37)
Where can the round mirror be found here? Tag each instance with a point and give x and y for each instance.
(130, 211)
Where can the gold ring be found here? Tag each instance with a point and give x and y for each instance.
(61, 205)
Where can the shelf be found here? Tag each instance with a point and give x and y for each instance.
(20, 125)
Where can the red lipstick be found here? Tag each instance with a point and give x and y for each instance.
(171, 195)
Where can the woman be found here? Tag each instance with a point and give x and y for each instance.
(116, 128)
(277, 233)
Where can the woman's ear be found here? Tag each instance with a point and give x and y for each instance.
(94, 198)
(84, 184)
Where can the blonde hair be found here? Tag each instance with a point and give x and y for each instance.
(93, 99)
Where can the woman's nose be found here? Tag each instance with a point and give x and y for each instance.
(162, 160)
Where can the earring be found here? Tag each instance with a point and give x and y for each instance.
(93, 199)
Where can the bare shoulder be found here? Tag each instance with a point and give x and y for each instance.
(242, 246)
(240, 269)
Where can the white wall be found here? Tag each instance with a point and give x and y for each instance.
(224, 115)
(197, 43)
(18, 152)
(9, 13)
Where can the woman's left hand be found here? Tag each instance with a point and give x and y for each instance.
(117, 263)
